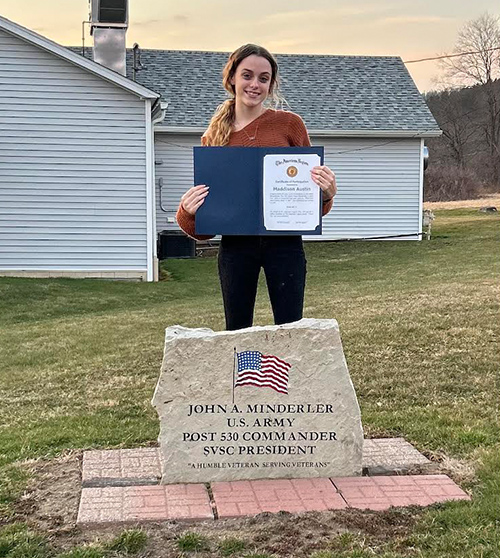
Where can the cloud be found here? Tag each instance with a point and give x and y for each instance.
(362, 10)
(284, 45)
(180, 18)
(359, 10)
(332, 16)
(147, 22)
(405, 20)
(302, 15)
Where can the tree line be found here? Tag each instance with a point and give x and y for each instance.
(465, 160)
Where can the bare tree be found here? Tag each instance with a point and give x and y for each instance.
(454, 117)
(480, 36)
(481, 39)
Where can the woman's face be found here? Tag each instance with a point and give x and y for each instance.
(252, 80)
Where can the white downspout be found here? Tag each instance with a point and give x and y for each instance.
(150, 188)
(421, 190)
(152, 257)
(161, 116)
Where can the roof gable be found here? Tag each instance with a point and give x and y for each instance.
(66, 54)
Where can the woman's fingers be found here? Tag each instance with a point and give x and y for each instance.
(325, 179)
(323, 172)
(194, 192)
(197, 205)
(194, 197)
(190, 203)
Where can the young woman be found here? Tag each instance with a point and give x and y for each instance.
(250, 77)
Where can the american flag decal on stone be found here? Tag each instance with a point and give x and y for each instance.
(256, 369)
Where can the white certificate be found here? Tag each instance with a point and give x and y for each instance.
(291, 198)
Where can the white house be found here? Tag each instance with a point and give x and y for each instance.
(76, 164)
(80, 194)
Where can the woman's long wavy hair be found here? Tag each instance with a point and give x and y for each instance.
(222, 121)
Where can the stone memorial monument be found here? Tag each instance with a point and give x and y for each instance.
(261, 402)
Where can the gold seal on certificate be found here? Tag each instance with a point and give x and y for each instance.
(291, 198)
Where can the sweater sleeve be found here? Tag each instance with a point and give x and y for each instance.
(327, 205)
(297, 132)
(186, 221)
(299, 137)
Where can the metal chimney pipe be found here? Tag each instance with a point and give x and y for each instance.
(137, 61)
(109, 24)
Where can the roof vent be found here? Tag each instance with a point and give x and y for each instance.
(109, 23)
(110, 11)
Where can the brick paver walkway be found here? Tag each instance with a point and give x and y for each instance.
(390, 456)
(121, 504)
(381, 456)
(380, 493)
(155, 503)
(122, 486)
(251, 497)
(121, 467)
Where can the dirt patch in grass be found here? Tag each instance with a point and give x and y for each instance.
(286, 535)
(50, 501)
(50, 506)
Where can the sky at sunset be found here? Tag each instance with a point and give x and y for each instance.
(411, 29)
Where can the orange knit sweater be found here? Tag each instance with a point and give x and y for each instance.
(273, 128)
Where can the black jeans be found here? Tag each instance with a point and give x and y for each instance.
(240, 260)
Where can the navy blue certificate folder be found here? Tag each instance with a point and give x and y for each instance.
(234, 205)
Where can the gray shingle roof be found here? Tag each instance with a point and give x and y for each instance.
(342, 93)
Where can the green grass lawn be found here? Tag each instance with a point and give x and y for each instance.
(419, 322)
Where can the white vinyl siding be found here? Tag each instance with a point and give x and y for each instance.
(378, 187)
(72, 166)
(174, 168)
(378, 181)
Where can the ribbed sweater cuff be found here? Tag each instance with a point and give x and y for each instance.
(186, 222)
(327, 206)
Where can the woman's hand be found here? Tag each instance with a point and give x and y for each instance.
(193, 198)
(325, 179)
